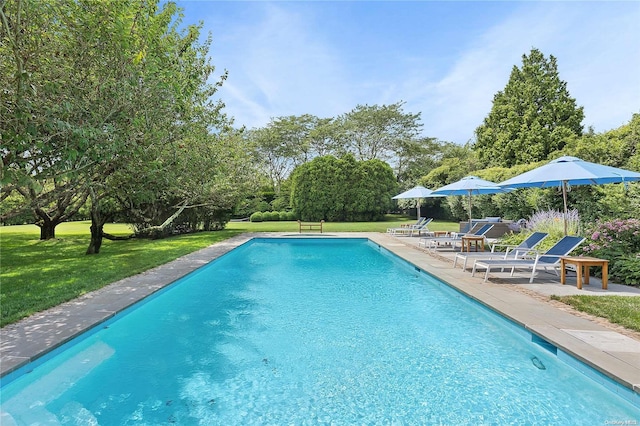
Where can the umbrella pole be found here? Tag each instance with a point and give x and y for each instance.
(419, 215)
(564, 199)
(469, 212)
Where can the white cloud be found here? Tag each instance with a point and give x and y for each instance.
(596, 53)
(282, 62)
(278, 66)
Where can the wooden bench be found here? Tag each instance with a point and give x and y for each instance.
(310, 226)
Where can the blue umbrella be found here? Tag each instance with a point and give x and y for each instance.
(566, 171)
(415, 192)
(470, 185)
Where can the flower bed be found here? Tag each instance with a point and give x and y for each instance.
(619, 242)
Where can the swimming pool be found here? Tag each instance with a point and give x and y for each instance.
(303, 332)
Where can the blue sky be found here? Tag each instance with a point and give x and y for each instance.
(446, 60)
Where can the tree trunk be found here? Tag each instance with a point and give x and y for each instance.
(97, 224)
(96, 235)
(48, 219)
(112, 237)
(47, 224)
(157, 231)
(47, 229)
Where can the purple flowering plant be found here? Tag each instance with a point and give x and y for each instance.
(619, 237)
(552, 222)
(549, 221)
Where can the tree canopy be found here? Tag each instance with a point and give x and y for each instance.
(377, 131)
(111, 102)
(382, 132)
(531, 118)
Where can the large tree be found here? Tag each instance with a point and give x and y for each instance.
(286, 142)
(276, 157)
(110, 101)
(69, 72)
(164, 157)
(382, 132)
(43, 128)
(378, 132)
(532, 117)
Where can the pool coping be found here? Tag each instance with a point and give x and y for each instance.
(610, 353)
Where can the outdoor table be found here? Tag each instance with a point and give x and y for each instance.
(582, 264)
(468, 239)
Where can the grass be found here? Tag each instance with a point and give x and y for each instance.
(391, 222)
(36, 275)
(621, 310)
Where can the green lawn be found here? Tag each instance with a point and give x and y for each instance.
(36, 275)
(621, 310)
(391, 222)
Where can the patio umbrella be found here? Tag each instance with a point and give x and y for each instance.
(470, 185)
(417, 192)
(566, 171)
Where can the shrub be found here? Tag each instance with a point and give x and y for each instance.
(281, 202)
(266, 216)
(291, 215)
(342, 189)
(619, 242)
(256, 217)
(627, 270)
(552, 222)
(272, 216)
(513, 238)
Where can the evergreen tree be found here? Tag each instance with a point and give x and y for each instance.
(532, 117)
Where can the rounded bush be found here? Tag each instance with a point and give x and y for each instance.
(283, 215)
(275, 216)
(256, 217)
(292, 215)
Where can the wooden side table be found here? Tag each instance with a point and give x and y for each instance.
(582, 264)
(468, 239)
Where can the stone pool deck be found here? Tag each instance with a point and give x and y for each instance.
(611, 350)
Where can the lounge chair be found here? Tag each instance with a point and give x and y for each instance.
(510, 251)
(434, 242)
(410, 231)
(419, 222)
(550, 259)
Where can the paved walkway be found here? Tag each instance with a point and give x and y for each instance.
(546, 284)
(616, 354)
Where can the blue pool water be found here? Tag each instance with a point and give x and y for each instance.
(306, 332)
